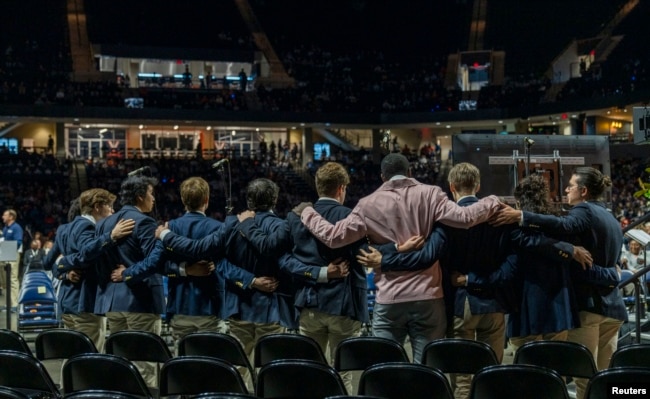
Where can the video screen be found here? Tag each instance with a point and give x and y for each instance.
(134, 102)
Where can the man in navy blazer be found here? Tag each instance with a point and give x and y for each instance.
(259, 301)
(602, 310)
(76, 270)
(332, 292)
(136, 306)
(195, 292)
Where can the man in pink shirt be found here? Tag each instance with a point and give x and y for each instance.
(408, 302)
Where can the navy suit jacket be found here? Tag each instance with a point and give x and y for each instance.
(195, 296)
(543, 287)
(255, 245)
(341, 297)
(144, 296)
(478, 252)
(595, 228)
(81, 247)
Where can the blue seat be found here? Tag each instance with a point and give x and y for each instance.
(38, 302)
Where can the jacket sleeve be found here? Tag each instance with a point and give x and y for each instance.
(344, 232)
(301, 271)
(539, 244)
(451, 214)
(598, 275)
(499, 277)
(433, 250)
(50, 259)
(209, 247)
(576, 221)
(234, 274)
(154, 263)
(274, 243)
(91, 247)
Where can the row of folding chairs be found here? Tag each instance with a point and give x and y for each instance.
(447, 355)
(109, 376)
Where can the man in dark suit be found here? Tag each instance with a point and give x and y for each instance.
(195, 295)
(331, 296)
(259, 301)
(135, 306)
(33, 258)
(592, 225)
(76, 270)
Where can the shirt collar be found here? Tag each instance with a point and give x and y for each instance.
(89, 217)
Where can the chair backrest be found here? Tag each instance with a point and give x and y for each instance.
(457, 355)
(600, 385)
(287, 346)
(138, 346)
(567, 358)
(25, 373)
(634, 355)
(404, 380)
(216, 345)
(353, 397)
(229, 395)
(518, 381)
(192, 375)
(62, 344)
(99, 394)
(359, 353)
(9, 393)
(294, 378)
(91, 371)
(12, 341)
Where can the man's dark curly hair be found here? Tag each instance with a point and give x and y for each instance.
(134, 187)
(261, 195)
(533, 195)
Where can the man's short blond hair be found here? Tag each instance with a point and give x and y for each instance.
(465, 177)
(329, 178)
(195, 192)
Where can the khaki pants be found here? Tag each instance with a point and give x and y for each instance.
(517, 342)
(600, 335)
(248, 333)
(329, 330)
(120, 321)
(94, 326)
(183, 325)
(489, 328)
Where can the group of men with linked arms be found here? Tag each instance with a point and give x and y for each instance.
(440, 269)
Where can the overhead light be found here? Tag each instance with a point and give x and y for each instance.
(448, 126)
(209, 127)
(103, 130)
(140, 127)
(302, 124)
(233, 133)
(257, 129)
(175, 127)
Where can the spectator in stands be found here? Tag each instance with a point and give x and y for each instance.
(243, 80)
